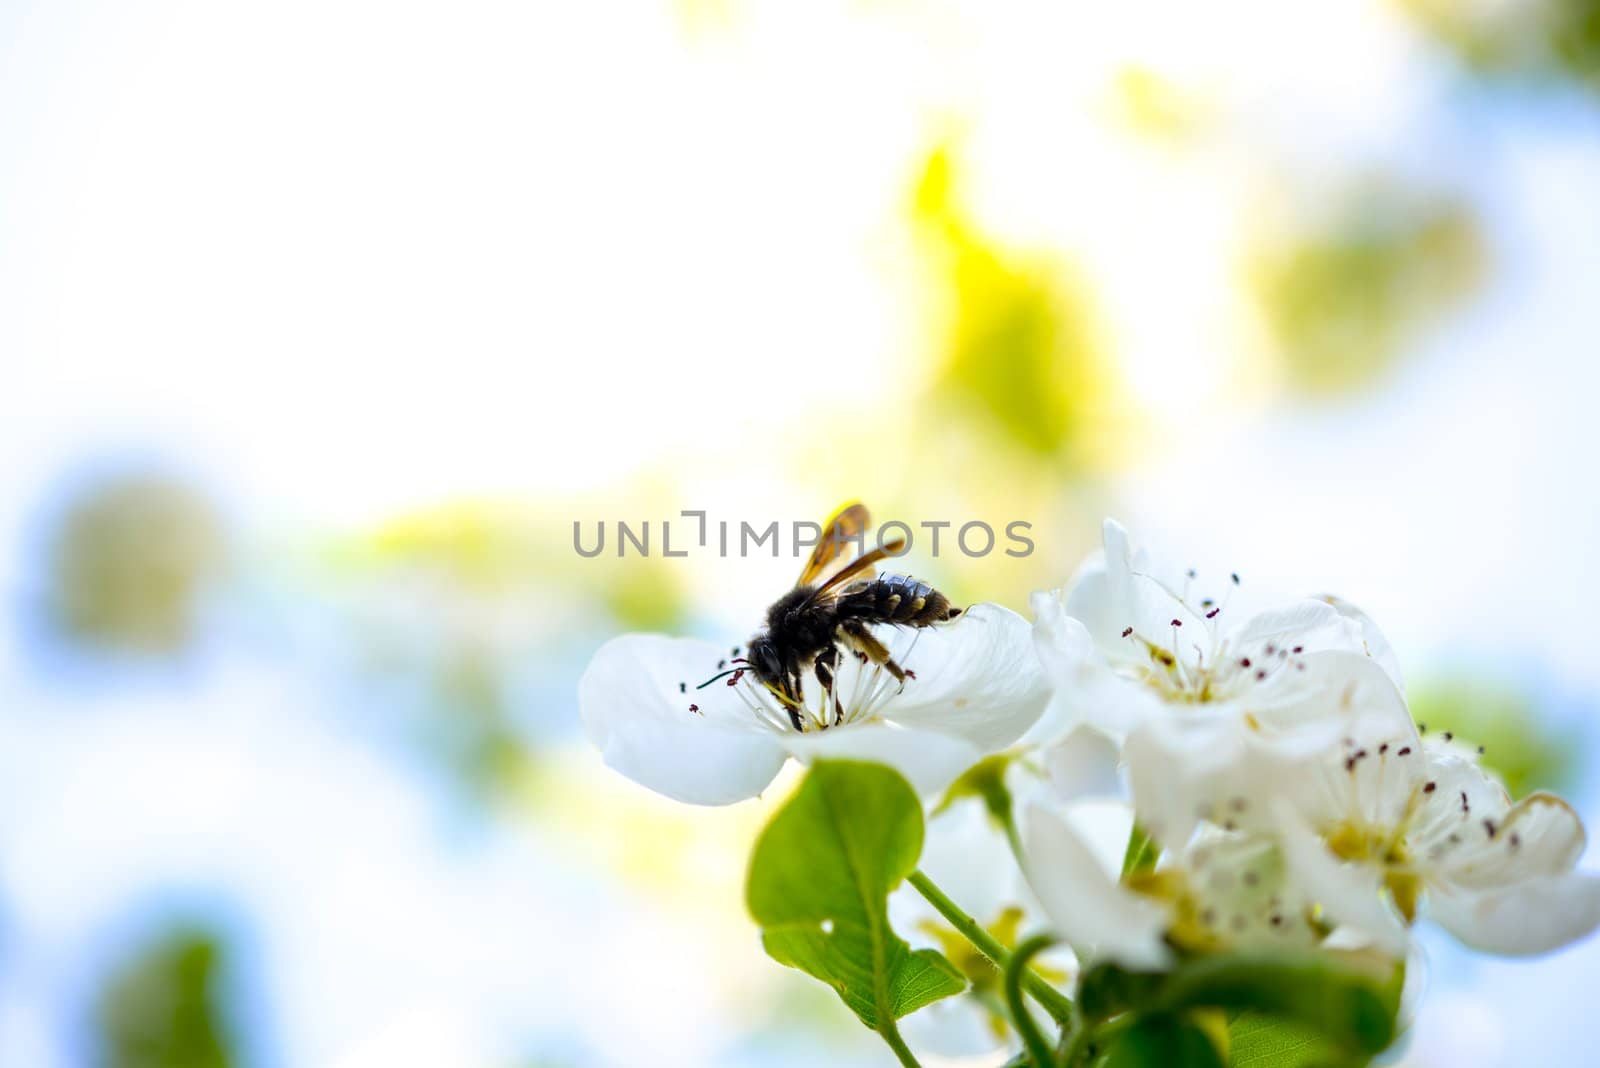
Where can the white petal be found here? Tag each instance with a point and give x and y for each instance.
(1099, 917)
(1086, 690)
(967, 856)
(1373, 643)
(1308, 622)
(1084, 764)
(1103, 825)
(1178, 768)
(1335, 685)
(1242, 890)
(1118, 594)
(1538, 836)
(1535, 916)
(1350, 893)
(1195, 765)
(633, 712)
(1451, 827)
(930, 760)
(957, 1027)
(977, 678)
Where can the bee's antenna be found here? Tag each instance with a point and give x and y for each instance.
(722, 674)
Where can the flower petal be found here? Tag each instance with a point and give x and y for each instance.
(1185, 768)
(1085, 689)
(1084, 764)
(633, 712)
(977, 678)
(1373, 643)
(1335, 685)
(1089, 908)
(1534, 916)
(930, 760)
(1114, 593)
(1350, 893)
(1311, 622)
(1538, 836)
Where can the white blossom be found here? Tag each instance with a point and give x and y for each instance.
(1389, 825)
(973, 687)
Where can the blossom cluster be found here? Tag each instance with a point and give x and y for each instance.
(1265, 763)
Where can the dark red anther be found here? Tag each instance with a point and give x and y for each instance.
(1245, 662)
(1430, 787)
(1213, 613)
(1127, 631)
(910, 674)
(694, 708)
(1177, 622)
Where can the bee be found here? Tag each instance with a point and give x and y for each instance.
(834, 605)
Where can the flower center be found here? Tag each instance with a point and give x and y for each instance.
(861, 689)
(1205, 669)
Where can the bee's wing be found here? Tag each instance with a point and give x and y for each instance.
(849, 524)
(861, 567)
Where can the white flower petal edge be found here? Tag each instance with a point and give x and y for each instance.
(1084, 765)
(930, 760)
(1533, 917)
(977, 678)
(633, 713)
(1089, 908)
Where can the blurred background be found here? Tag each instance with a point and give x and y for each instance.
(324, 322)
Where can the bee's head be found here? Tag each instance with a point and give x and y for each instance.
(764, 659)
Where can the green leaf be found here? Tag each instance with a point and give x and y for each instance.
(1351, 1009)
(1259, 1041)
(1141, 854)
(986, 781)
(1162, 1041)
(819, 884)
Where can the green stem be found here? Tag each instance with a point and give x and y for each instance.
(1057, 1004)
(1032, 1040)
(891, 1035)
(1096, 1037)
(1008, 823)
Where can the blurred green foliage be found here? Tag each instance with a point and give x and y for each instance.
(1021, 350)
(487, 553)
(130, 561)
(1343, 299)
(163, 1007)
(1518, 744)
(1539, 40)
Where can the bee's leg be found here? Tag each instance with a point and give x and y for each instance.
(859, 637)
(793, 699)
(827, 661)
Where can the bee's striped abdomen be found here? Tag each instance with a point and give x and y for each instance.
(898, 599)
